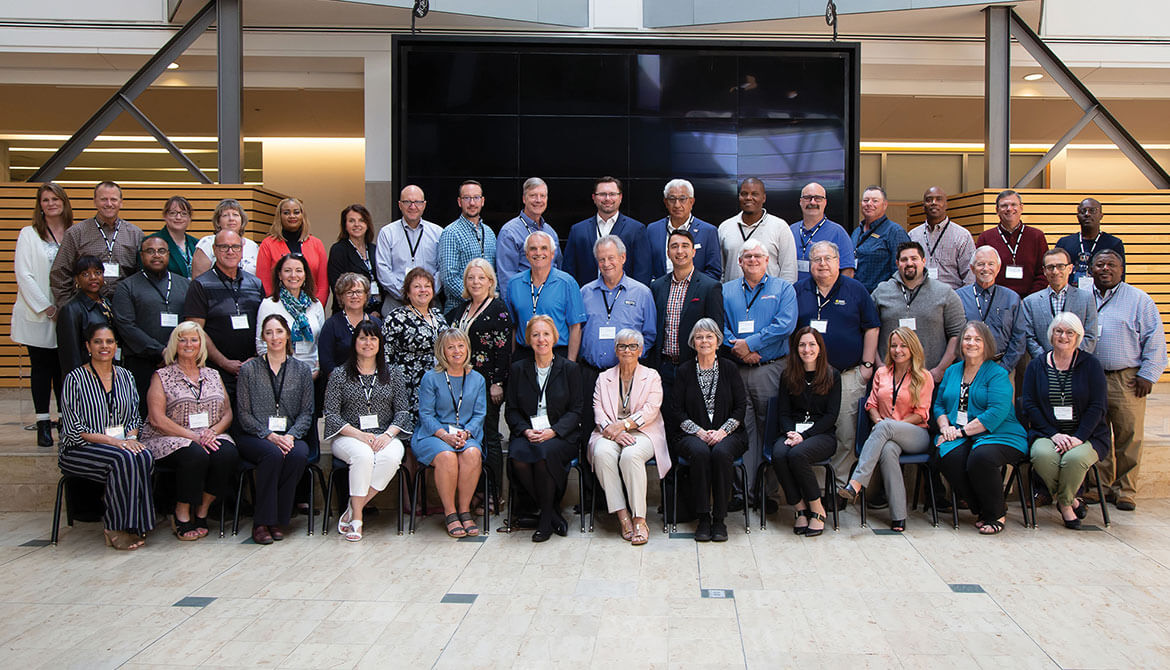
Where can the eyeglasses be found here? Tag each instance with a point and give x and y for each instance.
(177, 213)
(628, 346)
(354, 293)
(471, 198)
(676, 199)
(235, 248)
(822, 259)
(1055, 267)
(608, 194)
(812, 198)
(412, 203)
(1063, 332)
(155, 252)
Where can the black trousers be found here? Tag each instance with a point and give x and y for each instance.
(45, 375)
(793, 466)
(493, 456)
(198, 471)
(975, 476)
(712, 471)
(542, 471)
(277, 475)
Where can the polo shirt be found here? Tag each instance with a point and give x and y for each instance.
(629, 305)
(849, 312)
(824, 231)
(559, 297)
(216, 299)
(764, 316)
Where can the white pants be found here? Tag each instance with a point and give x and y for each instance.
(368, 469)
(614, 464)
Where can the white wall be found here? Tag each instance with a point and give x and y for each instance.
(326, 174)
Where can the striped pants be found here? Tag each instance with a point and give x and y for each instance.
(128, 497)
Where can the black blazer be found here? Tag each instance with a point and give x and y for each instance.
(1088, 400)
(822, 409)
(687, 399)
(704, 298)
(344, 258)
(562, 395)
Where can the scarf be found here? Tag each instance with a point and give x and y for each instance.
(301, 332)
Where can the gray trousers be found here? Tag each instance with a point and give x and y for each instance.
(889, 439)
(762, 384)
(852, 390)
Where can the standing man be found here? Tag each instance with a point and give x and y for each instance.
(843, 312)
(407, 243)
(104, 235)
(612, 302)
(927, 306)
(510, 257)
(680, 299)
(759, 314)
(466, 238)
(815, 227)
(998, 307)
(1059, 296)
(1021, 249)
(1081, 246)
(147, 305)
(543, 289)
(224, 300)
(679, 196)
(755, 223)
(876, 240)
(949, 247)
(1133, 353)
(579, 261)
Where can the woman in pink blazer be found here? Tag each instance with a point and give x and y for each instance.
(629, 431)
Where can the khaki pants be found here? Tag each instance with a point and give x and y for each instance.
(615, 464)
(1062, 473)
(852, 390)
(1126, 413)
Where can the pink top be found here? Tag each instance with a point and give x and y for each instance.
(882, 396)
(272, 250)
(645, 402)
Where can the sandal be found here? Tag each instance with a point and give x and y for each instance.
(898, 525)
(468, 522)
(186, 531)
(201, 525)
(641, 533)
(991, 527)
(122, 540)
(454, 528)
(342, 524)
(627, 528)
(354, 532)
(800, 530)
(813, 516)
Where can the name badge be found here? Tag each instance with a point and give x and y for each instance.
(168, 320)
(909, 322)
(606, 332)
(698, 246)
(302, 347)
(803, 426)
(961, 418)
(819, 325)
(375, 289)
(932, 273)
(117, 432)
(801, 265)
(1063, 412)
(1085, 283)
(240, 322)
(118, 354)
(278, 424)
(368, 421)
(540, 423)
(453, 429)
(747, 327)
(111, 270)
(1014, 272)
(199, 420)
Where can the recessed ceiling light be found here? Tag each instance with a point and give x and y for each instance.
(175, 66)
(1035, 76)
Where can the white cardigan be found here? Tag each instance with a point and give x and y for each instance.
(31, 326)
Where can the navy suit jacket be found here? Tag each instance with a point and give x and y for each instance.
(582, 264)
(704, 298)
(708, 258)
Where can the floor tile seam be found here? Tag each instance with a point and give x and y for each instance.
(31, 550)
(455, 630)
(1140, 552)
(1021, 628)
(739, 627)
(195, 610)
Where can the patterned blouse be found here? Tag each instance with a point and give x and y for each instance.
(708, 382)
(491, 355)
(346, 402)
(410, 343)
(185, 398)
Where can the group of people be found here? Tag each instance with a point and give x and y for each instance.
(194, 355)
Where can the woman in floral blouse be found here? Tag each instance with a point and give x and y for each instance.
(410, 331)
(484, 317)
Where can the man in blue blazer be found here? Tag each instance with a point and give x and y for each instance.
(579, 259)
(679, 196)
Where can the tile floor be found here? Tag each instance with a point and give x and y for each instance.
(931, 598)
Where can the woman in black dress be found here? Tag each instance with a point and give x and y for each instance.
(354, 252)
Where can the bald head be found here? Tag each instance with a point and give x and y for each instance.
(412, 203)
(1089, 216)
(934, 204)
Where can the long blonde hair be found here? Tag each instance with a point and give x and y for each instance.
(917, 361)
(276, 232)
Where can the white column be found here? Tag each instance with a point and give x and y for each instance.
(380, 197)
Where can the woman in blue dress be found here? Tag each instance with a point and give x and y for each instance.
(452, 402)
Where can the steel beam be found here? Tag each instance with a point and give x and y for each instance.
(1036, 169)
(997, 97)
(230, 90)
(139, 82)
(159, 135)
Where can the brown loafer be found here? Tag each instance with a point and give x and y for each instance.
(1125, 504)
(276, 533)
(260, 535)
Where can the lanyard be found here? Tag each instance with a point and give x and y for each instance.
(940, 237)
(755, 227)
(1086, 255)
(536, 294)
(759, 289)
(806, 238)
(709, 393)
(1107, 295)
(469, 318)
(524, 220)
(272, 380)
(1012, 249)
(109, 241)
(231, 288)
(910, 296)
(1065, 375)
(457, 403)
(964, 391)
(183, 255)
(109, 393)
(478, 231)
(624, 398)
(365, 317)
(828, 299)
(597, 226)
(427, 320)
(367, 391)
(413, 248)
(608, 306)
(897, 388)
(196, 391)
(366, 258)
(166, 298)
(548, 375)
(991, 299)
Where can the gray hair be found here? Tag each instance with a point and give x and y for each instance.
(533, 182)
(628, 334)
(552, 244)
(679, 183)
(1070, 321)
(705, 325)
(824, 243)
(753, 244)
(986, 248)
(875, 187)
(609, 239)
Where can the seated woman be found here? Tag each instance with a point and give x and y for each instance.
(367, 410)
(99, 439)
(87, 308)
(351, 292)
(710, 401)
(189, 418)
(451, 407)
(810, 399)
(628, 432)
(544, 420)
(275, 399)
(978, 429)
(899, 421)
(1067, 429)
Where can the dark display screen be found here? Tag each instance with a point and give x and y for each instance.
(501, 110)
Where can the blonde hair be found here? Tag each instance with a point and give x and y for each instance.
(276, 231)
(445, 336)
(540, 318)
(917, 360)
(180, 330)
(482, 264)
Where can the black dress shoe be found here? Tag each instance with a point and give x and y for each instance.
(771, 506)
(45, 433)
(541, 535)
(718, 531)
(1081, 510)
(703, 532)
(561, 529)
(876, 501)
(736, 504)
(1074, 524)
(943, 504)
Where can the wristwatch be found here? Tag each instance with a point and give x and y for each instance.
(963, 431)
(867, 364)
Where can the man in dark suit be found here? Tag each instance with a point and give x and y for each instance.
(579, 259)
(681, 298)
(679, 196)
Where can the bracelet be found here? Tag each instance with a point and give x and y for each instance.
(963, 431)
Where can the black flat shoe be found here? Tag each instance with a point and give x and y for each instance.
(1075, 524)
(703, 532)
(718, 531)
(1081, 510)
(45, 433)
(541, 535)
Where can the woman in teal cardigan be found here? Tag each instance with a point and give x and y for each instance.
(978, 429)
